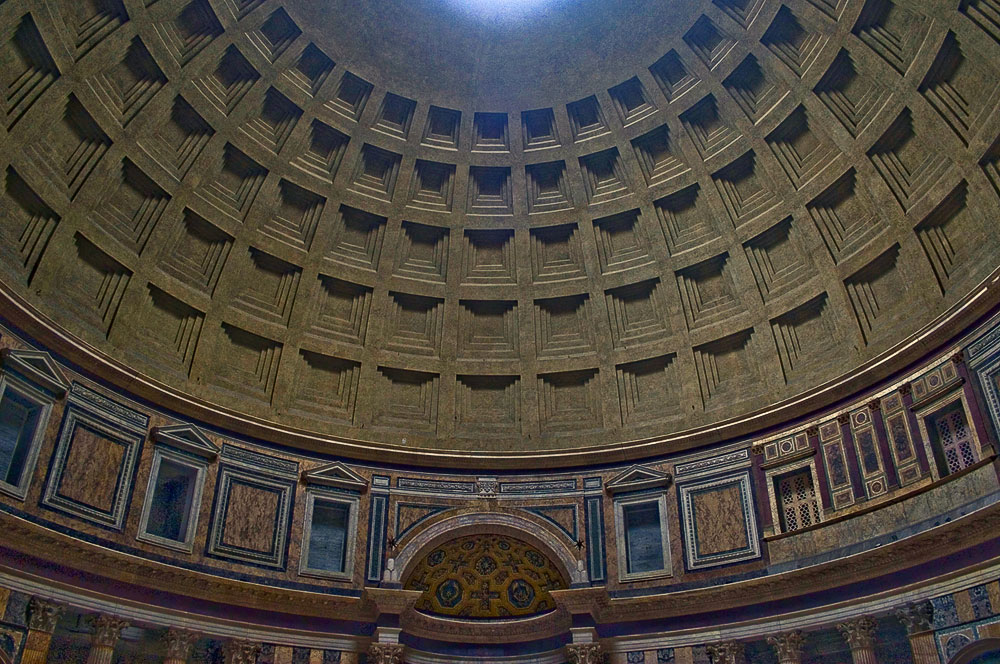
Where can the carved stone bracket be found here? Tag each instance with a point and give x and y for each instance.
(584, 653)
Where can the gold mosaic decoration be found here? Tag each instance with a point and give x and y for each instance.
(485, 576)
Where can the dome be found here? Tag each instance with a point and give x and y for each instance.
(481, 331)
(417, 229)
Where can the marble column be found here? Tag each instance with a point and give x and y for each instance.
(42, 618)
(107, 631)
(385, 653)
(240, 652)
(584, 653)
(860, 636)
(728, 652)
(788, 646)
(918, 619)
(177, 644)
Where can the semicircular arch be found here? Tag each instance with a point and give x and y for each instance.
(463, 522)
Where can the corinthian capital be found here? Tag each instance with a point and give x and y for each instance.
(240, 652)
(107, 630)
(177, 644)
(916, 617)
(43, 615)
(859, 632)
(385, 653)
(787, 646)
(728, 652)
(584, 653)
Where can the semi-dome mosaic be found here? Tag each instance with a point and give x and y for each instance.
(312, 229)
(485, 576)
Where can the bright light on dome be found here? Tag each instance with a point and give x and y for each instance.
(503, 9)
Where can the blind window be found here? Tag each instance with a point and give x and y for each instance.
(643, 538)
(173, 495)
(328, 536)
(18, 421)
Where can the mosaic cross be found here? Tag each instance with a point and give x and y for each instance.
(485, 595)
(512, 562)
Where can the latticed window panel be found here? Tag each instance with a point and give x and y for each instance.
(955, 438)
(797, 497)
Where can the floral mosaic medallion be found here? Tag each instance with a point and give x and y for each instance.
(485, 576)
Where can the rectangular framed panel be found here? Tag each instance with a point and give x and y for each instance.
(92, 469)
(251, 517)
(719, 521)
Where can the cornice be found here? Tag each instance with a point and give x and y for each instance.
(77, 555)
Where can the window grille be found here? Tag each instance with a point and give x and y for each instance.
(955, 439)
(797, 496)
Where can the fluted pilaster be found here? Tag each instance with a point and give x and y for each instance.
(918, 618)
(107, 631)
(42, 618)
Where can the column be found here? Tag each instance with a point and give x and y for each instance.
(728, 652)
(917, 618)
(788, 646)
(860, 636)
(584, 653)
(385, 653)
(107, 631)
(240, 652)
(177, 644)
(42, 618)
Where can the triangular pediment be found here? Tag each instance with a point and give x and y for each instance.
(638, 477)
(38, 367)
(336, 475)
(188, 438)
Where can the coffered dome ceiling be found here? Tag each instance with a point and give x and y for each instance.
(355, 225)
